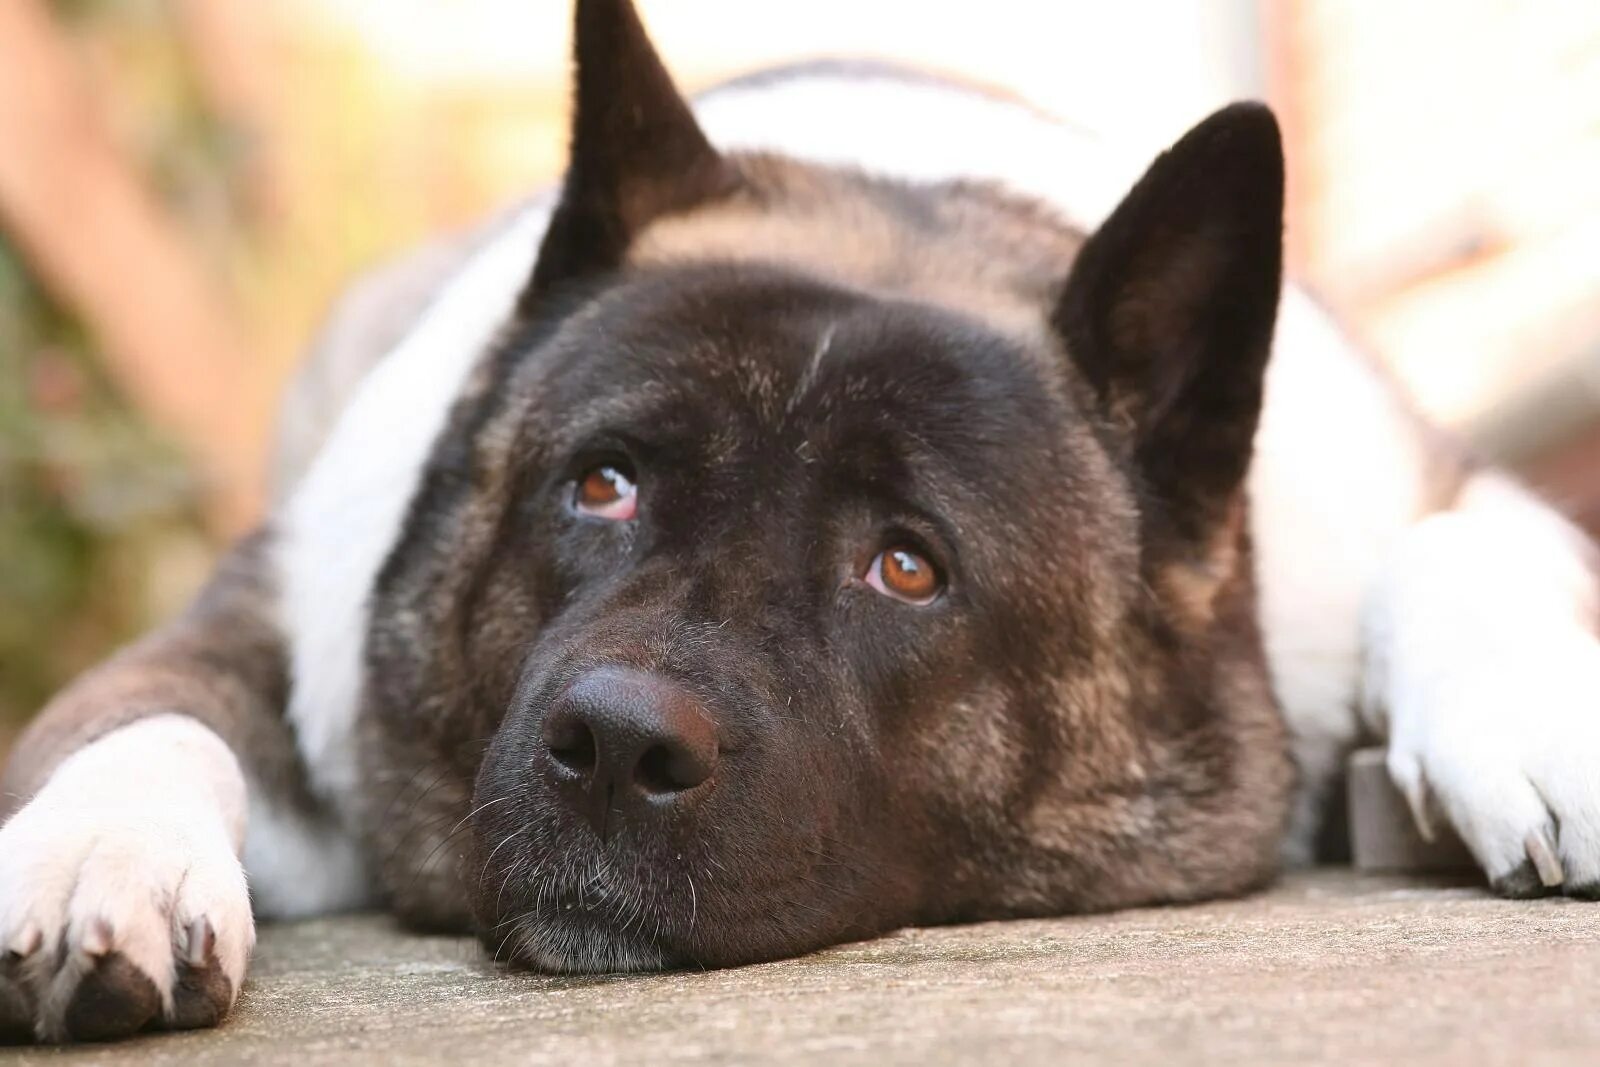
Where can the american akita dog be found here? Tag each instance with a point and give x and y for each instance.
(829, 510)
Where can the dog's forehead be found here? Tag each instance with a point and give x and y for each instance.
(773, 353)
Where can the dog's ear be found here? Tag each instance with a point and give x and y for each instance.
(1168, 313)
(636, 151)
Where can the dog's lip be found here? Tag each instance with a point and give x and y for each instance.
(584, 939)
(577, 897)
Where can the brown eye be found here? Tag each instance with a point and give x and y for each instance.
(607, 491)
(905, 574)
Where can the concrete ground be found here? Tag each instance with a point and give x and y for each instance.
(1330, 967)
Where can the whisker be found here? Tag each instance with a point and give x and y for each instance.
(460, 825)
(416, 802)
(503, 842)
(480, 808)
(511, 872)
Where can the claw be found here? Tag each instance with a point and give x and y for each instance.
(1542, 851)
(1415, 791)
(199, 943)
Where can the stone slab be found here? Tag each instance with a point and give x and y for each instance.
(1328, 967)
(1383, 834)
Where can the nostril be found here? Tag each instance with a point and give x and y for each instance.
(673, 768)
(571, 744)
(616, 736)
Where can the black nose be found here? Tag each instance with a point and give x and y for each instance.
(629, 741)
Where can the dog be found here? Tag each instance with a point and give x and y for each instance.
(841, 504)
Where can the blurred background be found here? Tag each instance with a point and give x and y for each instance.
(185, 184)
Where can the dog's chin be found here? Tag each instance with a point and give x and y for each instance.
(610, 929)
(580, 945)
(581, 923)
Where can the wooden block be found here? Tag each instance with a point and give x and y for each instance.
(1383, 836)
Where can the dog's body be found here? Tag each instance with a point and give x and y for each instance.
(860, 288)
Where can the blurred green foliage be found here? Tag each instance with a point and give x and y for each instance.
(100, 523)
(94, 508)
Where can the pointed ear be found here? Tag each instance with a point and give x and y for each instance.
(636, 152)
(1169, 312)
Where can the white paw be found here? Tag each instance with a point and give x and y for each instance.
(123, 904)
(1483, 664)
(1508, 751)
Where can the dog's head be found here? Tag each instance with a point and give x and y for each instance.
(824, 554)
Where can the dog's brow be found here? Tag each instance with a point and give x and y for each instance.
(809, 378)
(611, 411)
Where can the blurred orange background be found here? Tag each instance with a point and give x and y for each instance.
(185, 185)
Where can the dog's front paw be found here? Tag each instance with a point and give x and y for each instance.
(123, 904)
(112, 923)
(1507, 749)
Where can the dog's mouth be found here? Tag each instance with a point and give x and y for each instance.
(579, 943)
(652, 917)
(560, 913)
(582, 927)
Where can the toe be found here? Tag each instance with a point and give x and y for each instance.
(1504, 822)
(200, 998)
(1584, 890)
(1522, 882)
(203, 991)
(16, 1003)
(114, 999)
(1572, 789)
(212, 934)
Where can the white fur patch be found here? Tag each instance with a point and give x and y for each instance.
(1338, 477)
(132, 842)
(1483, 669)
(300, 868)
(345, 516)
(925, 131)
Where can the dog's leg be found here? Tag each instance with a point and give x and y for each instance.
(122, 896)
(1483, 672)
